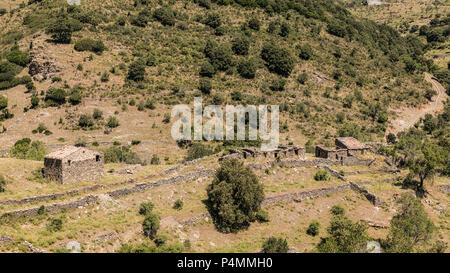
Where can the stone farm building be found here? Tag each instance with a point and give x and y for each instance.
(71, 164)
(345, 147)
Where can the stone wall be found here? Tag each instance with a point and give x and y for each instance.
(375, 200)
(148, 185)
(289, 197)
(281, 152)
(86, 170)
(54, 208)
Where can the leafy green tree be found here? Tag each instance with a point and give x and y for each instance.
(426, 162)
(146, 208)
(247, 69)
(207, 70)
(240, 45)
(26, 149)
(234, 196)
(136, 71)
(345, 236)
(150, 226)
(165, 15)
(61, 29)
(278, 59)
(275, 245)
(205, 85)
(220, 55)
(410, 227)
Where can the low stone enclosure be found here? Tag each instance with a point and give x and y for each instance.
(281, 152)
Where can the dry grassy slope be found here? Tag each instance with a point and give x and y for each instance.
(289, 220)
(398, 12)
(179, 62)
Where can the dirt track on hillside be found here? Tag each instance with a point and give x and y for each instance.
(407, 117)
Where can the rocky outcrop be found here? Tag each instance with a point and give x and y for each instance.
(5, 239)
(32, 248)
(445, 188)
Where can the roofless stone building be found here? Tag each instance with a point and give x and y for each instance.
(345, 147)
(71, 164)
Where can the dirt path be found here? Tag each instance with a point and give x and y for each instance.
(407, 117)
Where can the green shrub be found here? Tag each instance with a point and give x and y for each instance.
(275, 245)
(146, 208)
(61, 29)
(117, 154)
(55, 96)
(136, 71)
(154, 160)
(85, 121)
(34, 102)
(2, 183)
(198, 150)
(240, 45)
(345, 236)
(98, 114)
(205, 85)
(305, 52)
(302, 78)
(313, 228)
(112, 122)
(160, 240)
(54, 225)
(213, 20)
(337, 210)
(322, 175)
(26, 149)
(247, 69)
(18, 57)
(277, 85)
(234, 196)
(165, 15)
(207, 70)
(178, 205)
(254, 23)
(220, 56)
(262, 216)
(278, 59)
(3, 102)
(75, 97)
(150, 226)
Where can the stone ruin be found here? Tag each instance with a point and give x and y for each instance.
(71, 164)
(345, 147)
(282, 152)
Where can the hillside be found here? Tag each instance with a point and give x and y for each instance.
(106, 75)
(335, 63)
